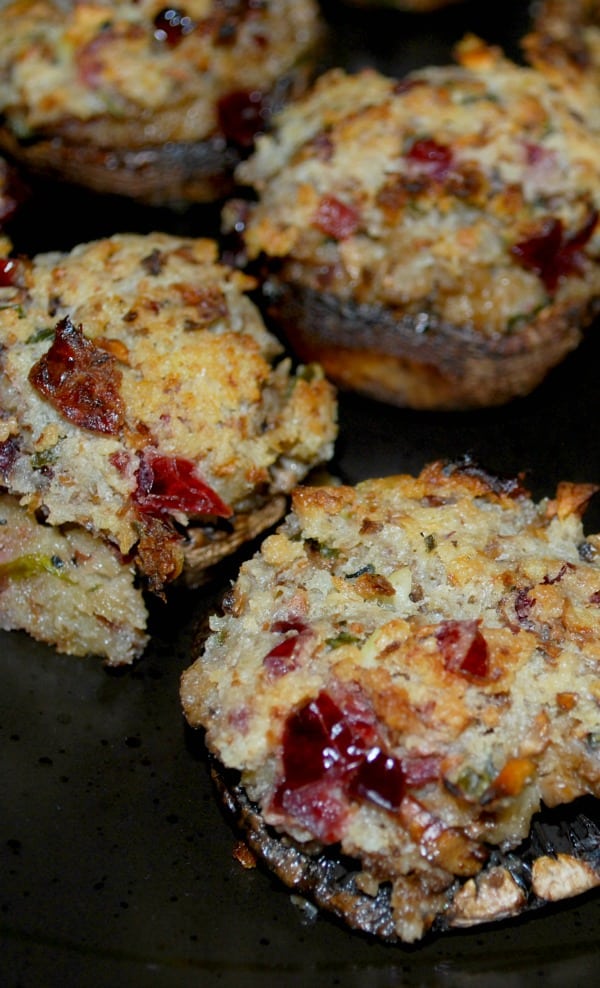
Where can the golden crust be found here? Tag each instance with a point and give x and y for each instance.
(442, 230)
(143, 398)
(450, 627)
(115, 96)
(69, 588)
(564, 45)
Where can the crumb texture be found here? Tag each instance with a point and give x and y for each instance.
(409, 669)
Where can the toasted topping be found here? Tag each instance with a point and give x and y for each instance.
(144, 400)
(421, 726)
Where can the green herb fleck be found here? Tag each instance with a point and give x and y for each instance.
(32, 564)
(369, 568)
(44, 458)
(45, 333)
(473, 783)
(344, 638)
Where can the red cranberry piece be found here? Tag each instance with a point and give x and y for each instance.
(379, 778)
(171, 483)
(242, 115)
(430, 157)
(8, 454)
(289, 624)
(556, 579)
(551, 254)
(523, 604)
(280, 660)
(8, 272)
(80, 380)
(330, 755)
(421, 769)
(335, 218)
(282, 657)
(319, 808)
(463, 647)
(316, 740)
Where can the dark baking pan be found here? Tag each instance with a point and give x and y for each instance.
(117, 865)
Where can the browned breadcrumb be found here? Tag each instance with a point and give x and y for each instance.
(143, 400)
(434, 240)
(140, 98)
(408, 670)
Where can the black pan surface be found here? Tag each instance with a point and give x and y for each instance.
(116, 864)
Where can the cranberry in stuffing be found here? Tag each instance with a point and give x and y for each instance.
(8, 272)
(80, 380)
(463, 647)
(551, 254)
(242, 115)
(430, 157)
(330, 755)
(335, 218)
(166, 484)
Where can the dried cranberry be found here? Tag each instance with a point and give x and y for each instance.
(556, 579)
(335, 218)
(242, 115)
(172, 25)
(535, 153)
(523, 604)
(463, 647)
(280, 660)
(380, 778)
(80, 380)
(317, 739)
(421, 769)
(8, 272)
(329, 755)
(430, 157)
(166, 484)
(319, 807)
(551, 254)
(120, 460)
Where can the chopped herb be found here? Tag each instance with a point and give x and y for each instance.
(327, 551)
(44, 458)
(344, 638)
(32, 564)
(473, 783)
(369, 568)
(14, 305)
(45, 333)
